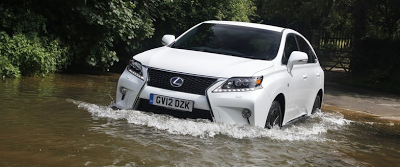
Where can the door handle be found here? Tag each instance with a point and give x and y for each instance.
(318, 74)
(304, 76)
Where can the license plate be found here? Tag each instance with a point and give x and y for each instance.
(171, 102)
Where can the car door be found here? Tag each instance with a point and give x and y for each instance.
(297, 81)
(313, 72)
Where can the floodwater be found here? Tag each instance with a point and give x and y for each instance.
(63, 120)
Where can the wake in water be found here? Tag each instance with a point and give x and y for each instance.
(314, 128)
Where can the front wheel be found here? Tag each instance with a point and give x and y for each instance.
(274, 116)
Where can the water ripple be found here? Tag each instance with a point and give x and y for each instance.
(313, 129)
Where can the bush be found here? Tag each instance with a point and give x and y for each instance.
(30, 55)
(87, 29)
(377, 61)
(7, 68)
(41, 37)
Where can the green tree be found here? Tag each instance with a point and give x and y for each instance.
(384, 16)
(304, 14)
(25, 46)
(176, 16)
(92, 28)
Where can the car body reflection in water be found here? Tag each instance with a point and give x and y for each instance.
(63, 120)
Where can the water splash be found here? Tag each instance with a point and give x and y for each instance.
(314, 128)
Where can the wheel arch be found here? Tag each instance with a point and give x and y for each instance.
(281, 99)
(321, 94)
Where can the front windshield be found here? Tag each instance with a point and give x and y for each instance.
(231, 40)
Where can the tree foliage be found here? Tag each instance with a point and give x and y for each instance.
(100, 33)
(89, 33)
(384, 18)
(176, 16)
(379, 18)
(92, 28)
(29, 50)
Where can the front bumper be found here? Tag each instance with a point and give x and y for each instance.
(223, 107)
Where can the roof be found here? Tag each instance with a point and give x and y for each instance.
(253, 25)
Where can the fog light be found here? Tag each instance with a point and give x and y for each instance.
(246, 113)
(123, 90)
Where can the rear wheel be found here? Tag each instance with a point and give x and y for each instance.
(317, 105)
(274, 116)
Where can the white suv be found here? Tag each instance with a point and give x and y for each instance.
(230, 72)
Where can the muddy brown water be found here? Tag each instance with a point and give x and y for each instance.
(63, 120)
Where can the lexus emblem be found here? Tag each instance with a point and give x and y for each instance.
(176, 82)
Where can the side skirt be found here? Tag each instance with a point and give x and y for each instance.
(295, 120)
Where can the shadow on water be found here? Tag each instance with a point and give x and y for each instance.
(62, 120)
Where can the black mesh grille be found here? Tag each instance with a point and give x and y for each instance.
(192, 84)
(195, 114)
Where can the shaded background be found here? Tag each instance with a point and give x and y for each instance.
(38, 37)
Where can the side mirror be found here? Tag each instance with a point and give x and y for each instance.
(167, 39)
(296, 57)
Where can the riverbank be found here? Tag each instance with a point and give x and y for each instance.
(359, 101)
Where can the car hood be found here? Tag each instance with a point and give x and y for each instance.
(201, 63)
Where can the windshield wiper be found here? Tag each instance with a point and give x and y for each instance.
(219, 51)
(202, 49)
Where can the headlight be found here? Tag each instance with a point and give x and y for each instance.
(240, 84)
(135, 68)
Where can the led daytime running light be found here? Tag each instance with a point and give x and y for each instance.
(240, 84)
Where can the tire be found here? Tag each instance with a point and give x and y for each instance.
(275, 116)
(317, 105)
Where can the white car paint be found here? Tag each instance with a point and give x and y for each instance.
(201, 63)
(299, 85)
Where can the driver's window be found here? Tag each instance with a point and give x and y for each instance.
(290, 46)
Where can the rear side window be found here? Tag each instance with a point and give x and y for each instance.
(290, 46)
(304, 47)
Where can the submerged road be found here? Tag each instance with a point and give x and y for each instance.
(63, 120)
(383, 105)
